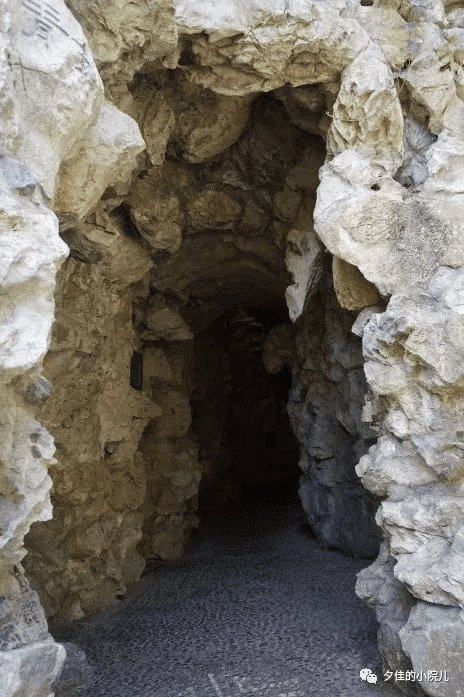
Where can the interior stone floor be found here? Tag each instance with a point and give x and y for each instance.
(255, 607)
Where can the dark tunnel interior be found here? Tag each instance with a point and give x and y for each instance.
(247, 447)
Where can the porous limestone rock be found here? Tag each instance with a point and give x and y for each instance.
(381, 591)
(433, 638)
(234, 206)
(164, 322)
(124, 36)
(107, 158)
(52, 92)
(206, 123)
(352, 290)
(306, 106)
(325, 408)
(76, 673)
(97, 419)
(50, 99)
(169, 452)
(304, 251)
(152, 109)
(29, 658)
(32, 250)
(210, 208)
(156, 215)
(32, 668)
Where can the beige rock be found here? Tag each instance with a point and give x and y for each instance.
(106, 158)
(173, 478)
(156, 370)
(155, 115)
(124, 36)
(243, 55)
(353, 291)
(158, 218)
(176, 417)
(164, 322)
(305, 106)
(168, 541)
(95, 417)
(388, 29)
(393, 229)
(209, 124)
(388, 202)
(429, 80)
(211, 207)
(121, 259)
(303, 260)
(367, 112)
(278, 348)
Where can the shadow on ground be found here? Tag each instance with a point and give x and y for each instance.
(255, 607)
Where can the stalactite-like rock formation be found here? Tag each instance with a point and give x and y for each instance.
(283, 181)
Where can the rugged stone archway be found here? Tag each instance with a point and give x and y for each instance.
(203, 160)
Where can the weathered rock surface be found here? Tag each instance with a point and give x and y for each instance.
(87, 555)
(75, 674)
(325, 406)
(36, 135)
(433, 638)
(125, 36)
(51, 90)
(351, 288)
(379, 588)
(106, 158)
(202, 158)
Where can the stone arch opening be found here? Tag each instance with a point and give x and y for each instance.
(249, 256)
(259, 153)
(245, 213)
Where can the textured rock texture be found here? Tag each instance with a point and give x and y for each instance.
(87, 552)
(325, 406)
(164, 166)
(75, 674)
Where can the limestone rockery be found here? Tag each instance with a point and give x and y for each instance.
(231, 264)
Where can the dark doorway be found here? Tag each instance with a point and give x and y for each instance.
(247, 447)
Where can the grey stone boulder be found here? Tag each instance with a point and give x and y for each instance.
(433, 637)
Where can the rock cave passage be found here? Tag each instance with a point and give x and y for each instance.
(231, 348)
(262, 602)
(239, 498)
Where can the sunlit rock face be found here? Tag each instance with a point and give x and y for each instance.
(199, 196)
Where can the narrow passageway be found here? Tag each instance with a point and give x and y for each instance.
(255, 607)
(240, 418)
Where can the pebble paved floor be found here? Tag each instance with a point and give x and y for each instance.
(254, 608)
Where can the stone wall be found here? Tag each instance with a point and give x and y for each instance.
(325, 405)
(87, 554)
(146, 137)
